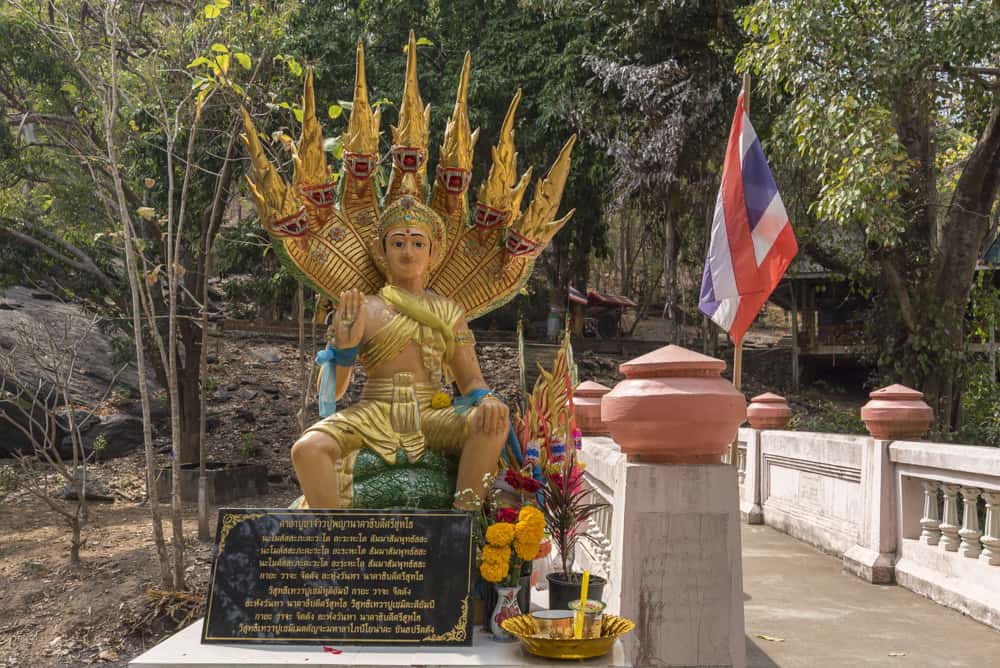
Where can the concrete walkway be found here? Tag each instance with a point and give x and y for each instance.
(825, 617)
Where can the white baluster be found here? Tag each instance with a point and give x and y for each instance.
(991, 539)
(970, 532)
(931, 520)
(949, 525)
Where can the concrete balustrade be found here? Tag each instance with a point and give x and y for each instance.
(923, 515)
(991, 539)
(931, 520)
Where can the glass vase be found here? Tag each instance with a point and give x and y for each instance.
(505, 608)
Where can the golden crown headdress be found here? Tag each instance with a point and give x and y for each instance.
(485, 257)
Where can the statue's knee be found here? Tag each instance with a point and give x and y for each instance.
(312, 447)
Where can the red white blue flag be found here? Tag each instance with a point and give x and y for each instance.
(576, 296)
(752, 241)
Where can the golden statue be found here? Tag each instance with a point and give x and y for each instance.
(406, 277)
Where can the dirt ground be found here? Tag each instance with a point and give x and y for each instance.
(54, 614)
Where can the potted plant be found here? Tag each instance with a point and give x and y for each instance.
(566, 509)
(551, 441)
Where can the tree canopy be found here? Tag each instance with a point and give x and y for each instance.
(895, 107)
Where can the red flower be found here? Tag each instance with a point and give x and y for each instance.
(508, 515)
(513, 478)
(530, 485)
(520, 481)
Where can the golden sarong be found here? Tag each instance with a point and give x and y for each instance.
(366, 423)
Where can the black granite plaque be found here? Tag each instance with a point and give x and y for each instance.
(341, 576)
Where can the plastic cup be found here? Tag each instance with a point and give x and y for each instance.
(593, 616)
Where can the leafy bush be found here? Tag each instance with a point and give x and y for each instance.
(8, 479)
(827, 417)
(248, 445)
(100, 444)
(980, 409)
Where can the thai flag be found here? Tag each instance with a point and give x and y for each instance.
(752, 241)
(576, 296)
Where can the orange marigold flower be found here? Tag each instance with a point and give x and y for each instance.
(525, 533)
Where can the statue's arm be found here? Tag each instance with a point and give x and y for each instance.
(464, 365)
(492, 414)
(349, 327)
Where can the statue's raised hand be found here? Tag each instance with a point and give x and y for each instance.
(349, 319)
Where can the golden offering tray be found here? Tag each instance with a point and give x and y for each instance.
(524, 627)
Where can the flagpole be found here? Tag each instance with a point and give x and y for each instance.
(734, 447)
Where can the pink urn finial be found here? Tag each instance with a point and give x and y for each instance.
(674, 407)
(897, 412)
(587, 406)
(768, 411)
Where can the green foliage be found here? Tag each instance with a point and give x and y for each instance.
(100, 444)
(8, 479)
(980, 408)
(248, 445)
(886, 108)
(828, 417)
(120, 396)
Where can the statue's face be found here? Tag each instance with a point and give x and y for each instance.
(407, 253)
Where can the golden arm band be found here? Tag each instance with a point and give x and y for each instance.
(464, 338)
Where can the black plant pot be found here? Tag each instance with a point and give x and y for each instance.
(562, 590)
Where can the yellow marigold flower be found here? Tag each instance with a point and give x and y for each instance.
(494, 572)
(527, 534)
(531, 515)
(441, 400)
(532, 523)
(500, 534)
(526, 550)
(496, 555)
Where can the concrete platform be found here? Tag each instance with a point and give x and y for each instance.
(826, 617)
(184, 649)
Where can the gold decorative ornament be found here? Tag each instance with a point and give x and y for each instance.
(230, 521)
(525, 628)
(458, 632)
(484, 257)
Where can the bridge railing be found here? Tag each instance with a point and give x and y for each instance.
(923, 515)
(948, 524)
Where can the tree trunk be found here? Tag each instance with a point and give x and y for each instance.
(75, 541)
(134, 281)
(946, 292)
(188, 388)
(670, 254)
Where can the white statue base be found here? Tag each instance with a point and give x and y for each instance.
(184, 650)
